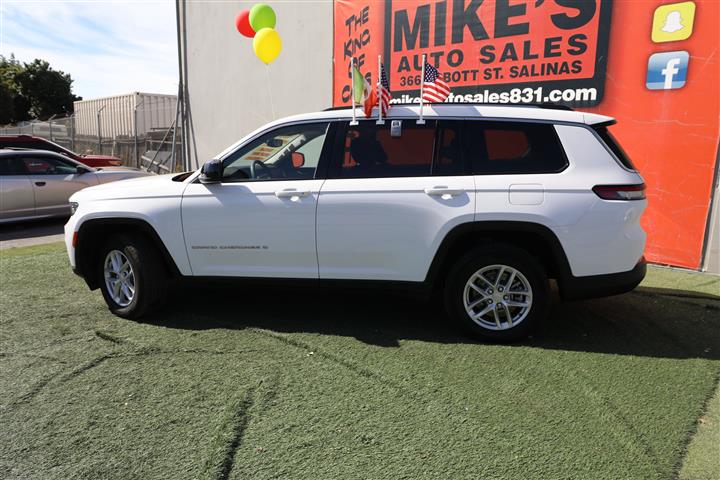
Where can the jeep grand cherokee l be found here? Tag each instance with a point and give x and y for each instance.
(481, 203)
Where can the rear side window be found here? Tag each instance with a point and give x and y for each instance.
(449, 158)
(401, 148)
(34, 144)
(16, 144)
(615, 147)
(373, 151)
(512, 148)
(12, 166)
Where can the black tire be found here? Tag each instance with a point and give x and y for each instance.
(150, 277)
(509, 256)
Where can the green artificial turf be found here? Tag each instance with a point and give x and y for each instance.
(703, 458)
(239, 382)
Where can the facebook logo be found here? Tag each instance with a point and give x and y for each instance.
(667, 71)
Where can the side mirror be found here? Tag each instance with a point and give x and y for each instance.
(211, 172)
(80, 170)
(298, 159)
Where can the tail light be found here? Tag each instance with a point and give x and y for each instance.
(620, 192)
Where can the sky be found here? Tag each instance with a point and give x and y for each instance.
(107, 47)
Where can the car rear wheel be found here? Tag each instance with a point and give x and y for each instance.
(498, 293)
(133, 277)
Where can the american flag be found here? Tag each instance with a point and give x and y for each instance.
(385, 95)
(435, 90)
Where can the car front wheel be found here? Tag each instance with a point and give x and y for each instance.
(133, 278)
(498, 293)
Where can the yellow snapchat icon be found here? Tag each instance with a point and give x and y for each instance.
(673, 22)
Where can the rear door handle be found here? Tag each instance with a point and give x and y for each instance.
(291, 193)
(40, 184)
(442, 191)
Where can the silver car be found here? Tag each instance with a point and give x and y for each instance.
(38, 183)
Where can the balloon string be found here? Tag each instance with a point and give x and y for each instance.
(272, 106)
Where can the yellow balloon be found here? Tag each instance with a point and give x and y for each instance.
(267, 44)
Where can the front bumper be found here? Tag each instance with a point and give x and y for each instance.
(70, 227)
(593, 286)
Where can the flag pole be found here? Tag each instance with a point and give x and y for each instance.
(421, 120)
(352, 90)
(380, 120)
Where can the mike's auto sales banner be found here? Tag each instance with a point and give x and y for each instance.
(652, 65)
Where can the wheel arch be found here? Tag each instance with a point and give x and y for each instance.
(538, 240)
(93, 233)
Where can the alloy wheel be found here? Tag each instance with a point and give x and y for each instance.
(119, 278)
(497, 297)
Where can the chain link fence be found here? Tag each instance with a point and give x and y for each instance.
(151, 150)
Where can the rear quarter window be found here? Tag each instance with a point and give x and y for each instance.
(32, 144)
(503, 148)
(615, 147)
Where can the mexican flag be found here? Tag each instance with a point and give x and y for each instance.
(364, 93)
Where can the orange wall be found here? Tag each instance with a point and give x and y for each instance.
(671, 135)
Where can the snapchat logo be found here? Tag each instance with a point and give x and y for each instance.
(673, 22)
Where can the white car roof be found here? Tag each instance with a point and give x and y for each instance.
(431, 111)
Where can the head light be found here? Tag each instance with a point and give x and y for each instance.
(73, 208)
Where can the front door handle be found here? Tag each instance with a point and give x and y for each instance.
(291, 193)
(441, 191)
(40, 184)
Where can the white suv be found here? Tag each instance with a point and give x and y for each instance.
(481, 203)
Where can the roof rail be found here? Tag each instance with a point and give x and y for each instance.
(548, 106)
(330, 109)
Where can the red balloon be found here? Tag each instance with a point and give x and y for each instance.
(242, 23)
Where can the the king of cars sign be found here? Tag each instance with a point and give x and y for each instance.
(489, 52)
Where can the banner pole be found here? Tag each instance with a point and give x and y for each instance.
(421, 120)
(380, 120)
(352, 89)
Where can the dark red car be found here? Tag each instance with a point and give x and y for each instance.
(39, 143)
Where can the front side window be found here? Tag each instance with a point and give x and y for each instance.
(286, 153)
(47, 145)
(404, 149)
(44, 146)
(49, 166)
(512, 148)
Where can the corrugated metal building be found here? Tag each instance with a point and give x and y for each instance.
(117, 114)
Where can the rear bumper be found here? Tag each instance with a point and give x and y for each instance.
(577, 288)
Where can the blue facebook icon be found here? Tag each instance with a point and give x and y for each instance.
(667, 71)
